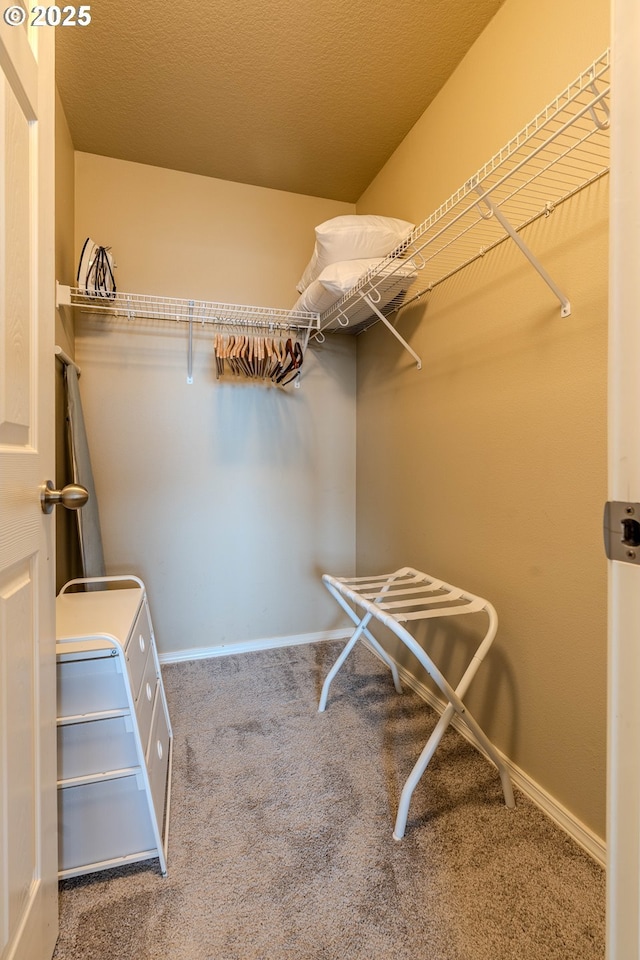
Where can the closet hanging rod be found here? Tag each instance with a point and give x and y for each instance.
(66, 359)
(133, 306)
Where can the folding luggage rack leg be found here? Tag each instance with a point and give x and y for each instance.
(406, 595)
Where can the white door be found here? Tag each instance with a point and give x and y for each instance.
(623, 818)
(28, 829)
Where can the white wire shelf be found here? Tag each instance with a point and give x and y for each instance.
(562, 150)
(138, 306)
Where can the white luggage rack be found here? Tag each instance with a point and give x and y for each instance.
(397, 598)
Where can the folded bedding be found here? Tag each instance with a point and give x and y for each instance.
(353, 237)
(332, 283)
(338, 278)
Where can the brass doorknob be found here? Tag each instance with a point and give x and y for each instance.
(73, 496)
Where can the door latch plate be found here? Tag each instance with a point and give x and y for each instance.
(621, 528)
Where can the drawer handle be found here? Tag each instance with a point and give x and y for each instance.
(149, 692)
(159, 749)
(141, 642)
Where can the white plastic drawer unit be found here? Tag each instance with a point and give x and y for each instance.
(102, 823)
(158, 756)
(137, 649)
(90, 749)
(114, 734)
(146, 699)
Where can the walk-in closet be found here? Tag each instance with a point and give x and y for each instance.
(332, 631)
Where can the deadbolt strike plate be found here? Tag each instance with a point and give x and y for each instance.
(621, 528)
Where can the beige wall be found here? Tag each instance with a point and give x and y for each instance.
(488, 467)
(181, 235)
(229, 499)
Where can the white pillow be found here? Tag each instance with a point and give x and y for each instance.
(315, 299)
(353, 237)
(333, 282)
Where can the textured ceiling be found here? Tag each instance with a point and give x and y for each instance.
(310, 96)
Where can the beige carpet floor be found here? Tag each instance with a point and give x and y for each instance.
(281, 835)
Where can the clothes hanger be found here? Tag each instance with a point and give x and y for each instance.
(293, 365)
(217, 352)
(284, 348)
(296, 364)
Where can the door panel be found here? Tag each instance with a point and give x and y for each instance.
(18, 756)
(15, 309)
(28, 828)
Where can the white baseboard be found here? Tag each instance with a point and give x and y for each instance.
(248, 646)
(594, 845)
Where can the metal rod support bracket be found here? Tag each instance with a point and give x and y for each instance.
(381, 316)
(190, 347)
(493, 210)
